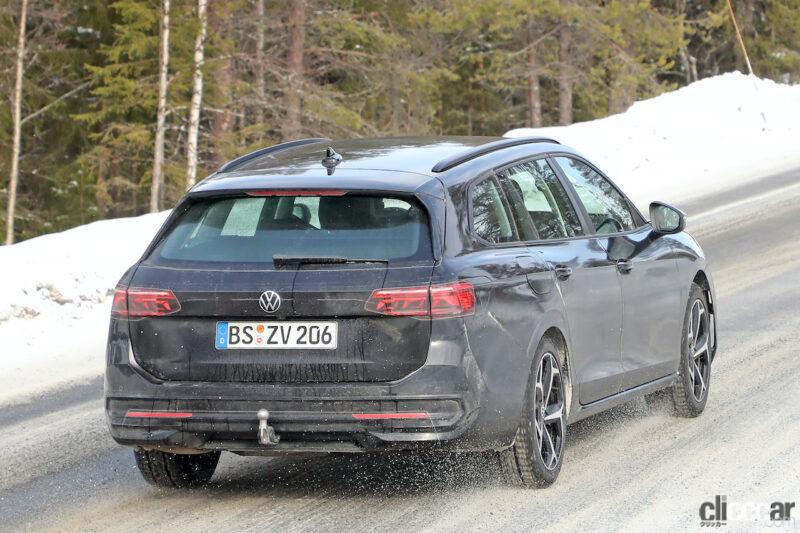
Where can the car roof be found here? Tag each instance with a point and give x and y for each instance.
(389, 163)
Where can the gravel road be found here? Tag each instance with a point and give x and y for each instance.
(633, 468)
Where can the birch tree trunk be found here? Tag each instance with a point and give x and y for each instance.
(261, 88)
(161, 115)
(16, 113)
(294, 95)
(534, 89)
(197, 95)
(564, 76)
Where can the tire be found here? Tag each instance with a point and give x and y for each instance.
(690, 390)
(535, 458)
(171, 470)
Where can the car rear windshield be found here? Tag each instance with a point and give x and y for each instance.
(256, 229)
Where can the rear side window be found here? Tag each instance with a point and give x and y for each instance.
(254, 229)
(489, 217)
(547, 207)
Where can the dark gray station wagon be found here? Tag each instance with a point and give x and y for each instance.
(456, 294)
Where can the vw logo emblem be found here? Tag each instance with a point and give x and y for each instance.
(269, 301)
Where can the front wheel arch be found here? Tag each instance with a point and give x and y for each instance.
(702, 280)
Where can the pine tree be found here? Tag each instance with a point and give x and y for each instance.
(124, 156)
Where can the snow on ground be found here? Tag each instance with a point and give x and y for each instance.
(54, 301)
(711, 135)
(691, 142)
(75, 268)
(56, 347)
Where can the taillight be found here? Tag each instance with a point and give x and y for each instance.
(119, 307)
(140, 303)
(436, 301)
(409, 301)
(455, 299)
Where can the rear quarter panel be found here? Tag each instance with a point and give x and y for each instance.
(509, 321)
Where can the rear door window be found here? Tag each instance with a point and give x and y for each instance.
(546, 207)
(254, 229)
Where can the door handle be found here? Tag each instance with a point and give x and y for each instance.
(562, 271)
(624, 265)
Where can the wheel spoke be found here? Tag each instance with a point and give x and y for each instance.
(540, 430)
(553, 457)
(540, 382)
(702, 381)
(699, 325)
(553, 413)
(553, 374)
(702, 349)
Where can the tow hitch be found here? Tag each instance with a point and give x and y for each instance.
(266, 433)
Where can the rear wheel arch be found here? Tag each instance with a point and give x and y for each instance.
(552, 330)
(524, 461)
(555, 335)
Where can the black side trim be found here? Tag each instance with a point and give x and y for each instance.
(454, 161)
(232, 164)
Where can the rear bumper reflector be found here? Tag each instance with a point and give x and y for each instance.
(357, 416)
(389, 416)
(155, 414)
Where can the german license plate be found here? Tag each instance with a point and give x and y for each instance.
(276, 335)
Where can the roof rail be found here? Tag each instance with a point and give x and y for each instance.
(233, 163)
(463, 157)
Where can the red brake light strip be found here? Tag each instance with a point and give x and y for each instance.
(157, 414)
(390, 416)
(296, 192)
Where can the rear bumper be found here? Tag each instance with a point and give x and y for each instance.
(345, 425)
(344, 417)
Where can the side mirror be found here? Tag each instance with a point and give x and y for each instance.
(666, 219)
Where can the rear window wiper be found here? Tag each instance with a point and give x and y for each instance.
(281, 261)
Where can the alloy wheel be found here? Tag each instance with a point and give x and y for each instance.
(548, 411)
(698, 350)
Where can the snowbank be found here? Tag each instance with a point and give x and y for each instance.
(74, 268)
(712, 135)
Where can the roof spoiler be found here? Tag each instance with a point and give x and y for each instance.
(463, 157)
(233, 163)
